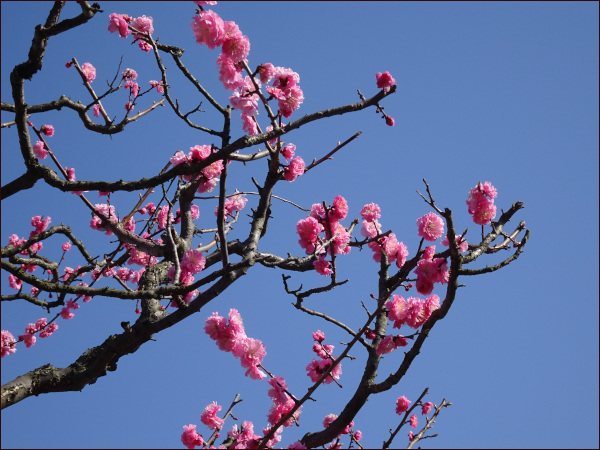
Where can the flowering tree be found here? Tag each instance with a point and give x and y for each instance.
(157, 256)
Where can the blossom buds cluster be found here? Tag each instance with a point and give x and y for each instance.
(481, 203)
(318, 367)
(230, 336)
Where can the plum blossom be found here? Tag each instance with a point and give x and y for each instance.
(431, 226)
(414, 421)
(384, 81)
(8, 343)
(481, 203)
(389, 120)
(208, 28)
(48, 130)
(294, 170)
(288, 151)
(120, 23)
(322, 266)
(426, 408)
(370, 212)
(160, 88)
(89, 72)
(193, 261)
(190, 438)
(40, 150)
(402, 404)
(209, 416)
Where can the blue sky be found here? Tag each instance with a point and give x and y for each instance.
(500, 92)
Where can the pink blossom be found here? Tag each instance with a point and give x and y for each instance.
(178, 158)
(199, 152)
(316, 368)
(277, 392)
(143, 24)
(291, 101)
(39, 224)
(285, 78)
(250, 351)
(209, 416)
(47, 331)
(89, 72)
(384, 81)
(129, 74)
(204, 3)
(295, 169)
(411, 435)
(237, 47)
(390, 121)
(401, 255)
(322, 266)
(266, 72)
(96, 109)
(235, 203)
(248, 104)
(317, 211)
(431, 226)
(370, 212)
(129, 106)
(288, 151)
(339, 210)
(308, 229)
(193, 261)
(414, 421)
(195, 211)
(72, 304)
(386, 345)
(370, 230)
(426, 408)
(40, 150)
(214, 170)
(358, 435)
(8, 343)
(160, 88)
(329, 418)
(162, 217)
(318, 336)
(119, 22)
(14, 282)
(402, 404)
(397, 310)
(66, 314)
(230, 73)
(207, 186)
(278, 410)
(249, 125)
(463, 246)
(190, 438)
(48, 130)
(208, 28)
(481, 203)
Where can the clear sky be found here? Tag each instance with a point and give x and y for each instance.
(500, 92)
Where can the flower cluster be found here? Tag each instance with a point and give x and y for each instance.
(318, 367)
(431, 270)
(371, 228)
(481, 203)
(29, 338)
(413, 311)
(282, 403)
(211, 30)
(108, 211)
(234, 203)
(325, 220)
(122, 22)
(208, 177)
(230, 336)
